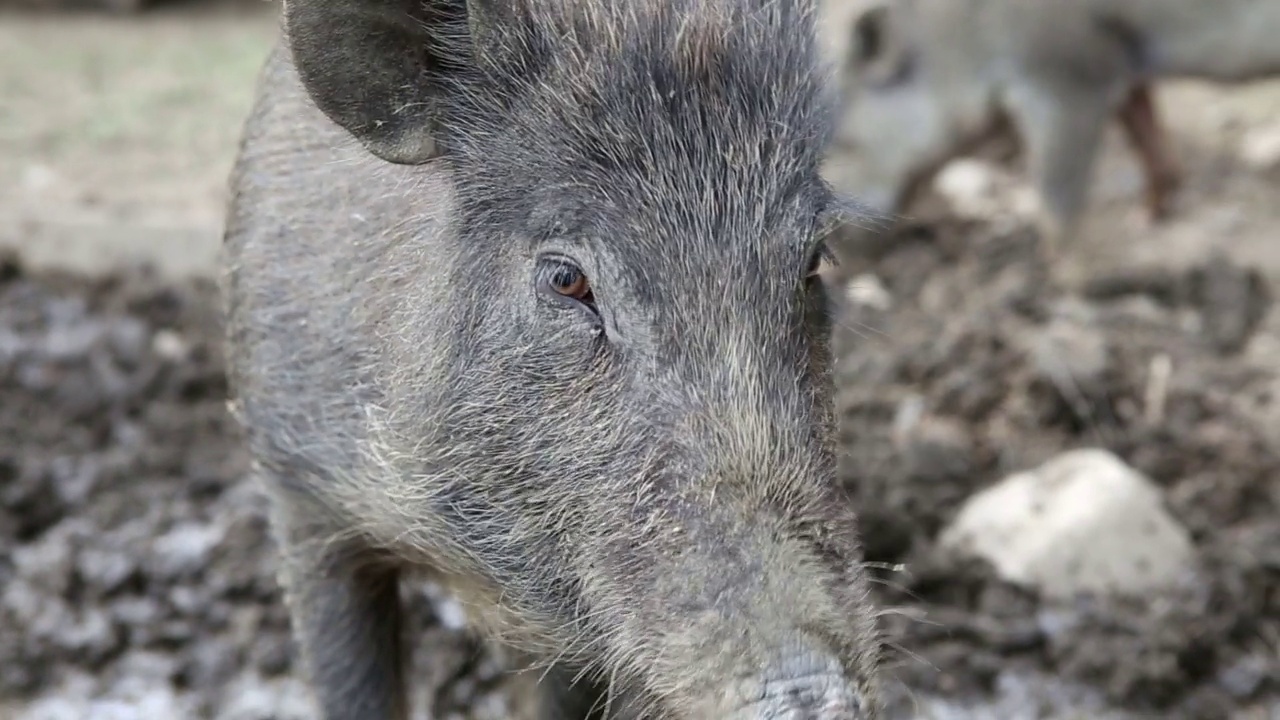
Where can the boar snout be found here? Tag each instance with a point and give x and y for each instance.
(803, 685)
(764, 616)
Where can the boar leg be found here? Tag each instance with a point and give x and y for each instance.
(1062, 130)
(346, 612)
(1146, 135)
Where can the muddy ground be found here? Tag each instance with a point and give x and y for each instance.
(136, 569)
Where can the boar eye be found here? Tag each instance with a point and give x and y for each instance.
(564, 279)
(569, 281)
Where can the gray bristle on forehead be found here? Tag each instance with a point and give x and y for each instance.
(633, 97)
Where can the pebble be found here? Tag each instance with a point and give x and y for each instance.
(211, 663)
(89, 633)
(184, 550)
(128, 338)
(251, 697)
(1072, 356)
(1260, 148)
(933, 448)
(105, 569)
(1233, 299)
(169, 345)
(981, 190)
(866, 289)
(38, 177)
(47, 564)
(126, 701)
(136, 611)
(1244, 677)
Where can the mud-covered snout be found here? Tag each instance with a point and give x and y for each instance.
(803, 685)
(761, 620)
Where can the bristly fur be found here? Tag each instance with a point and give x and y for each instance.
(645, 102)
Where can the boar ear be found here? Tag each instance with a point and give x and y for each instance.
(877, 48)
(378, 67)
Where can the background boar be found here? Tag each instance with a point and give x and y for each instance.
(553, 331)
(929, 79)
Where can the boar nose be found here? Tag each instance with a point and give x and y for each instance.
(807, 685)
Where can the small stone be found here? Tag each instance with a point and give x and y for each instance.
(47, 564)
(136, 611)
(71, 342)
(185, 599)
(867, 290)
(246, 624)
(1260, 148)
(42, 616)
(211, 662)
(169, 345)
(970, 187)
(184, 550)
(1084, 522)
(179, 631)
(155, 667)
(1232, 300)
(251, 697)
(105, 570)
(941, 449)
(1138, 310)
(158, 703)
(92, 634)
(1243, 678)
(933, 448)
(447, 609)
(128, 338)
(56, 708)
(37, 177)
(980, 190)
(1073, 357)
(74, 479)
(136, 697)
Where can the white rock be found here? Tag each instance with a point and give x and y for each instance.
(184, 549)
(981, 190)
(447, 608)
(37, 178)
(137, 701)
(1260, 148)
(47, 563)
(55, 708)
(969, 186)
(251, 697)
(169, 345)
(866, 289)
(1084, 522)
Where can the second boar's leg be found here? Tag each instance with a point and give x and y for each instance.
(1147, 136)
(1062, 129)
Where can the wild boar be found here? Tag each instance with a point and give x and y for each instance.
(524, 295)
